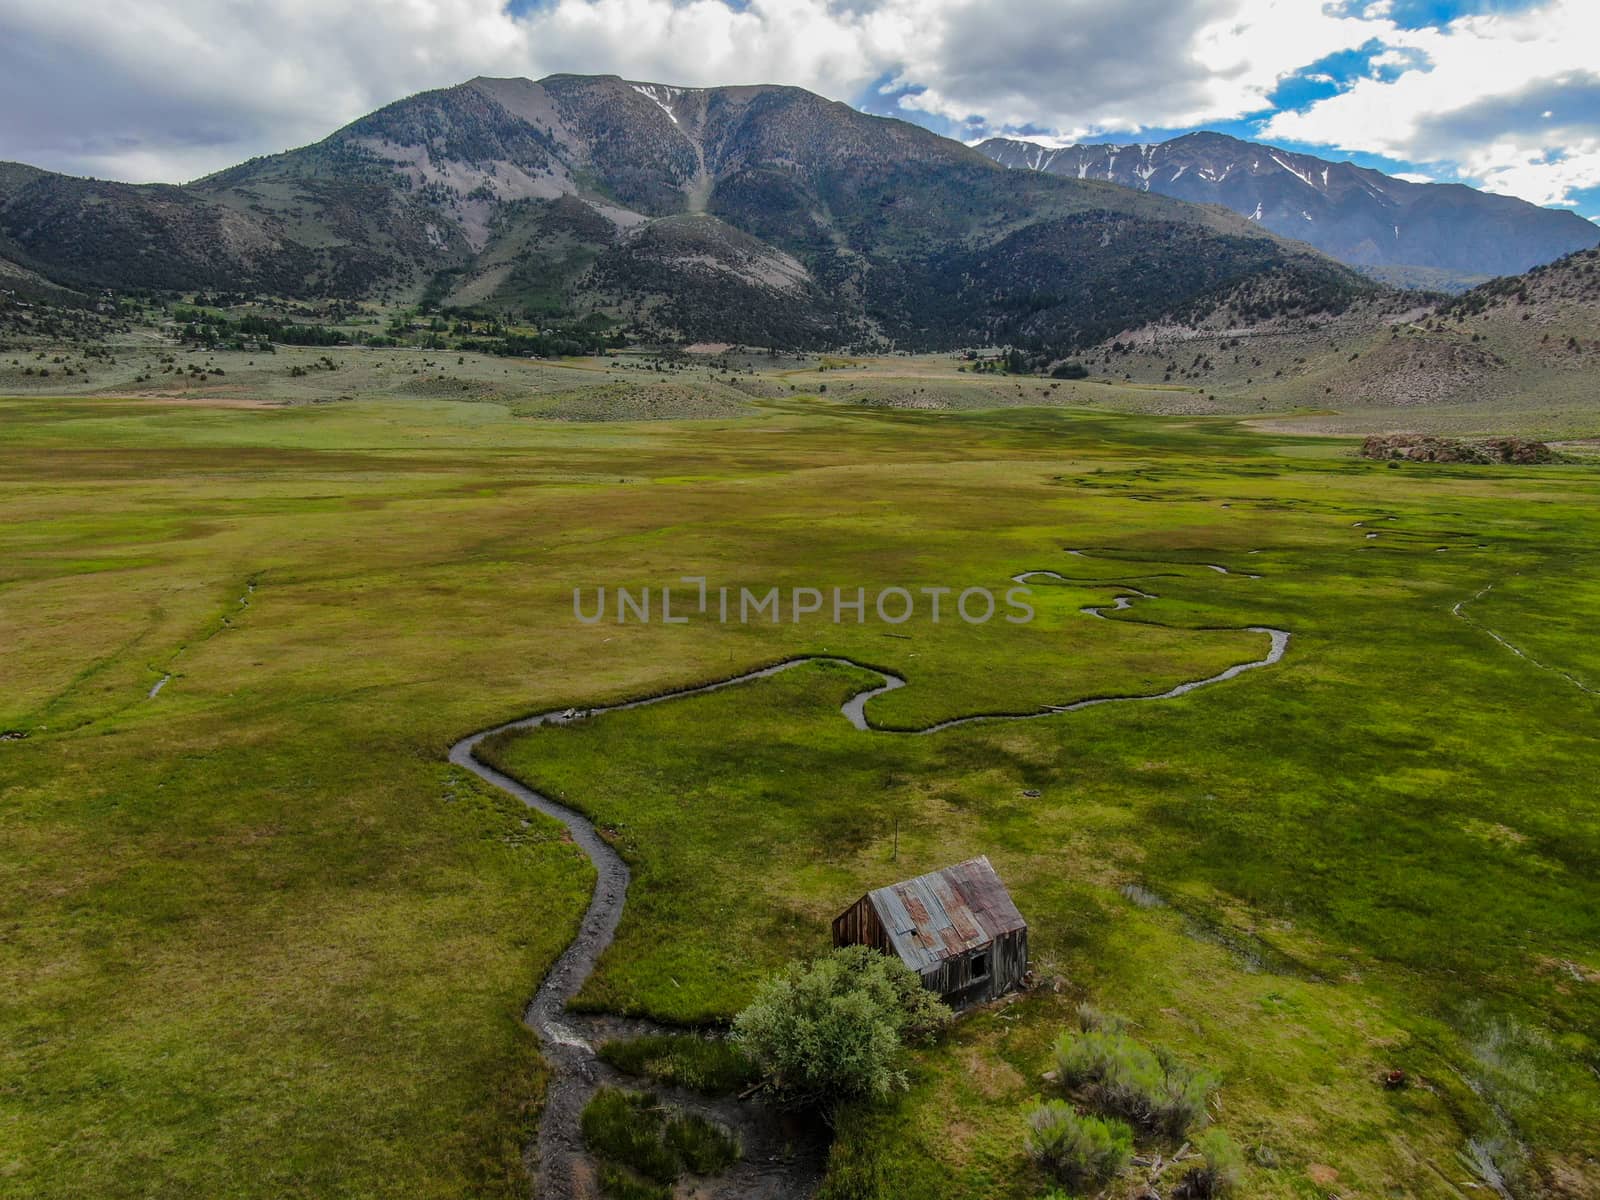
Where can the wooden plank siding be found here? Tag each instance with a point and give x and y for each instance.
(858, 925)
(956, 928)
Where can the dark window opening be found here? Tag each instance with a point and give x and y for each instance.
(980, 967)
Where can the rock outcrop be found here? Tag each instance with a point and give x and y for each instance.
(1416, 447)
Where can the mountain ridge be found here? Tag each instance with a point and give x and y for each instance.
(1357, 215)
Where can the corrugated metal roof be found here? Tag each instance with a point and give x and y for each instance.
(946, 913)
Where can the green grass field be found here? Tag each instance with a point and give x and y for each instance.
(260, 940)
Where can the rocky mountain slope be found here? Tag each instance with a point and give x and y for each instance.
(764, 215)
(1440, 233)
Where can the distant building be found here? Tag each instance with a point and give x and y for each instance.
(956, 928)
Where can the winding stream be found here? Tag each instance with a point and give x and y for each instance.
(769, 1170)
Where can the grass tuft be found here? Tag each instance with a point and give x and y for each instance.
(635, 1130)
(710, 1066)
(702, 1146)
(625, 1128)
(619, 1183)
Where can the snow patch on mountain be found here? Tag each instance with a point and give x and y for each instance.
(1300, 175)
(661, 95)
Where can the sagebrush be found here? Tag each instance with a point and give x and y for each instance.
(1079, 1151)
(1148, 1086)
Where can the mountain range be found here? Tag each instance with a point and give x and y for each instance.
(762, 215)
(1402, 231)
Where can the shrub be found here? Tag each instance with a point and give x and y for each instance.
(1091, 1019)
(1078, 1151)
(1219, 1175)
(1151, 1088)
(832, 1030)
(1180, 1100)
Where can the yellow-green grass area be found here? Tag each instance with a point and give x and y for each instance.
(1378, 853)
(261, 940)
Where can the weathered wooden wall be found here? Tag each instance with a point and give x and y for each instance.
(956, 979)
(960, 983)
(858, 925)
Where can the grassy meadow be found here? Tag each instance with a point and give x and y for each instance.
(260, 939)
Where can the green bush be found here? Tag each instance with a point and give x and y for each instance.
(710, 1066)
(1076, 1150)
(833, 1029)
(1218, 1175)
(1151, 1088)
(1092, 1055)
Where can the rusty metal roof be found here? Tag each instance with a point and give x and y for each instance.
(947, 913)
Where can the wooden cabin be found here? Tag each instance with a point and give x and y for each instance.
(956, 928)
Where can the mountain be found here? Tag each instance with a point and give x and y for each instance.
(1440, 232)
(764, 215)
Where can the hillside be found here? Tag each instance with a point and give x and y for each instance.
(24, 283)
(1429, 235)
(764, 215)
(1518, 354)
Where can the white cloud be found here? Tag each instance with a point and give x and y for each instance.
(1482, 103)
(170, 89)
(1083, 66)
(1527, 171)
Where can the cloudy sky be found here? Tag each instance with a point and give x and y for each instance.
(1504, 94)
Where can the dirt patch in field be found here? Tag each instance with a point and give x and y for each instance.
(992, 1078)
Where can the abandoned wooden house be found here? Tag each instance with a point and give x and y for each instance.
(956, 928)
